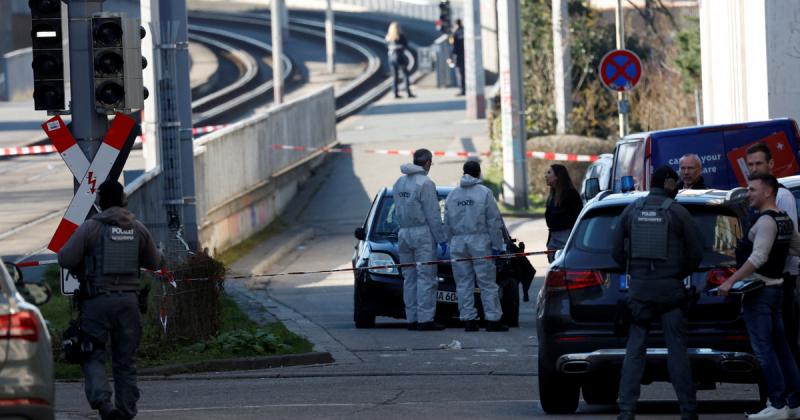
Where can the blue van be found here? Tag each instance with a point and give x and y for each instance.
(721, 149)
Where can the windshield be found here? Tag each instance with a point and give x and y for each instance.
(385, 222)
(719, 230)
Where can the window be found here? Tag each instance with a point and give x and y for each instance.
(386, 219)
(720, 231)
(629, 161)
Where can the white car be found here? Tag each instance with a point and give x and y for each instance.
(27, 388)
(600, 169)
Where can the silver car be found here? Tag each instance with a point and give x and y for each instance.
(27, 387)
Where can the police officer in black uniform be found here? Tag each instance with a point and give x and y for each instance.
(657, 241)
(107, 252)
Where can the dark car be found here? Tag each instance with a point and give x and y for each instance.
(581, 305)
(379, 292)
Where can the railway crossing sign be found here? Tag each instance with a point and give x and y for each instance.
(108, 163)
(620, 70)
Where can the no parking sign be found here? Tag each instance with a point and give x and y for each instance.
(620, 70)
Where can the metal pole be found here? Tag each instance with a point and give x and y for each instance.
(151, 74)
(175, 125)
(515, 182)
(277, 50)
(330, 46)
(88, 127)
(476, 79)
(622, 97)
(562, 61)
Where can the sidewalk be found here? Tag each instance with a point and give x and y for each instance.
(338, 197)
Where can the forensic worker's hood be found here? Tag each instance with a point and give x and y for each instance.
(411, 169)
(117, 216)
(469, 181)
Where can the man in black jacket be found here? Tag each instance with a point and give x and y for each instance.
(657, 242)
(691, 173)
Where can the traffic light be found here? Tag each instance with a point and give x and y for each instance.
(443, 23)
(118, 63)
(48, 55)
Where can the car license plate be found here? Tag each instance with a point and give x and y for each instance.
(624, 278)
(447, 297)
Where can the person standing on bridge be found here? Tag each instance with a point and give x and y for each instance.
(416, 206)
(397, 44)
(107, 252)
(474, 225)
(457, 58)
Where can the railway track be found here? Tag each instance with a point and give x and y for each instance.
(249, 89)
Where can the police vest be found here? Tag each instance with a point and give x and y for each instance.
(649, 227)
(776, 260)
(113, 264)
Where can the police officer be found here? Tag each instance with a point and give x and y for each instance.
(656, 240)
(474, 225)
(769, 240)
(419, 218)
(107, 252)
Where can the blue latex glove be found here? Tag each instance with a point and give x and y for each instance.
(442, 249)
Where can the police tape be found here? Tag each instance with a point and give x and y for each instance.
(48, 148)
(565, 157)
(169, 275)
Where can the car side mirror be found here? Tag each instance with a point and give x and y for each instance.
(627, 184)
(591, 188)
(35, 293)
(360, 234)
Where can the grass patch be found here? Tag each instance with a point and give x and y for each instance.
(493, 178)
(234, 253)
(239, 336)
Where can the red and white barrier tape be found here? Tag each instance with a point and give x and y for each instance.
(28, 150)
(568, 157)
(170, 275)
(47, 148)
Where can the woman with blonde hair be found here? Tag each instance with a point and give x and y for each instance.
(397, 45)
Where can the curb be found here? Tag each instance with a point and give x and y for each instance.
(279, 254)
(244, 363)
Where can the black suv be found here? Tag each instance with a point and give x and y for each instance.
(379, 292)
(580, 305)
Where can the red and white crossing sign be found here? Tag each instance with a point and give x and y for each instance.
(90, 174)
(620, 70)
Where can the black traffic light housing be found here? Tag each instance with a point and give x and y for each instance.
(117, 63)
(443, 24)
(48, 55)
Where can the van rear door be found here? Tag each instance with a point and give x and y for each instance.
(628, 161)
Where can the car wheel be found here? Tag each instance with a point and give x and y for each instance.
(363, 317)
(556, 393)
(509, 303)
(601, 392)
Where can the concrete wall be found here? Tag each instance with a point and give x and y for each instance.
(243, 183)
(18, 75)
(750, 60)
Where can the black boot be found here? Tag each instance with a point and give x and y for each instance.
(430, 326)
(412, 326)
(471, 325)
(496, 326)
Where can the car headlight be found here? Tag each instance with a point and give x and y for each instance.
(381, 258)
